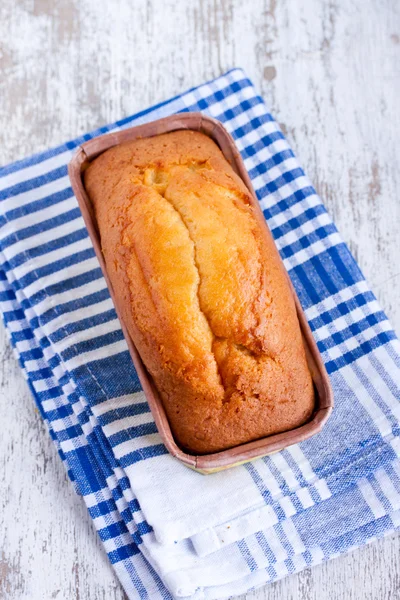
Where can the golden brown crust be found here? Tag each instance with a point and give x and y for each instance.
(202, 290)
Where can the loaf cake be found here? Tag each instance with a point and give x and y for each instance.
(201, 289)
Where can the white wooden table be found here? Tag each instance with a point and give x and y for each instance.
(330, 72)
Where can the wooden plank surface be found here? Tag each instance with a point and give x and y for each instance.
(330, 72)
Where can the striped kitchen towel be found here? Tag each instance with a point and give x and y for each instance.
(168, 531)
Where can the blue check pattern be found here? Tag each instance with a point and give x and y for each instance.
(305, 505)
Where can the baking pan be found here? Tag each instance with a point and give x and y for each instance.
(207, 463)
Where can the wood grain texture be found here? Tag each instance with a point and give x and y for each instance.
(330, 72)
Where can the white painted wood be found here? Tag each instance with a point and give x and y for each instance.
(330, 71)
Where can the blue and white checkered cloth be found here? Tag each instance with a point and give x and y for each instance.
(168, 531)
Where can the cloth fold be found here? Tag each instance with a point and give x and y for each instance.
(167, 530)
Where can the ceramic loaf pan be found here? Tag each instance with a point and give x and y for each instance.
(324, 400)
